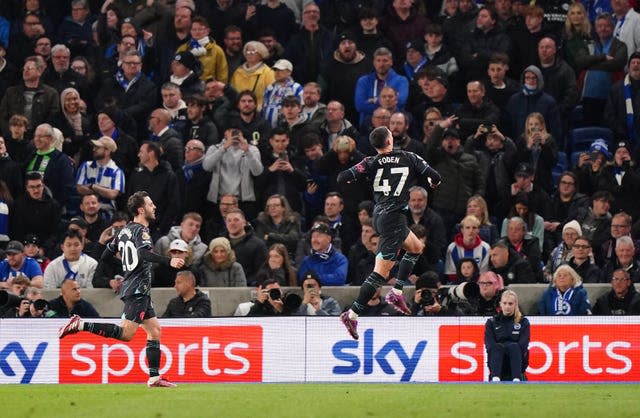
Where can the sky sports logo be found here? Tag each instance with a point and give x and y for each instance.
(189, 354)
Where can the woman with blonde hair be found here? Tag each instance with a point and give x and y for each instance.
(219, 267)
(477, 206)
(254, 75)
(537, 147)
(506, 339)
(565, 295)
(278, 224)
(576, 34)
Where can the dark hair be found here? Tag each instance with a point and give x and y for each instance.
(136, 201)
(246, 93)
(378, 137)
(90, 193)
(33, 175)
(602, 195)
(500, 244)
(335, 194)
(120, 216)
(492, 12)
(231, 28)
(5, 193)
(419, 230)
(499, 58)
(476, 270)
(428, 280)
(267, 282)
(291, 100)
(309, 140)
(201, 20)
(366, 205)
(72, 233)
(154, 148)
(278, 130)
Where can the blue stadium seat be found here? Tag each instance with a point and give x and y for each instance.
(581, 138)
(560, 167)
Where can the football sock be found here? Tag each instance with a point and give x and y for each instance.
(153, 357)
(103, 330)
(367, 290)
(405, 268)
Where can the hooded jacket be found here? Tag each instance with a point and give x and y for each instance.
(197, 246)
(526, 101)
(331, 270)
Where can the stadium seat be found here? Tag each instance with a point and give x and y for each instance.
(560, 167)
(581, 138)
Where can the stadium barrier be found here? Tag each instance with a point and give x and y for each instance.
(224, 300)
(318, 349)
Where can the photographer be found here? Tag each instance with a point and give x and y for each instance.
(313, 301)
(271, 302)
(23, 301)
(479, 298)
(476, 112)
(428, 296)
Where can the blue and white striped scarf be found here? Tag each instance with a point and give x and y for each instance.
(628, 104)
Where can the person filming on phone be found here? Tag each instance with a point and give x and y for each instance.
(280, 176)
(313, 301)
(234, 163)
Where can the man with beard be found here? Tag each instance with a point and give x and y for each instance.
(134, 244)
(399, 125)
(246, 118)
(341, 73)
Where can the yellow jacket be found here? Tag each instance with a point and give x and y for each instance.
(214, 62)
(256, 81)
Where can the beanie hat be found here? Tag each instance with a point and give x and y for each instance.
(572, 225)
(220, 242)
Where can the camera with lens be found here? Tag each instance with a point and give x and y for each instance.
(464, 291)
(9, 301)
(426, 298)
(290, 301)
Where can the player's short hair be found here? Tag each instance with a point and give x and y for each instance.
(136, 201)
(378, 137)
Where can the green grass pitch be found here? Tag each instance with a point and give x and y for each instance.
(322, 400)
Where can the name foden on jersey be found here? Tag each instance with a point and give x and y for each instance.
(388, 159)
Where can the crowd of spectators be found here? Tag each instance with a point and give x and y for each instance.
(237, 116)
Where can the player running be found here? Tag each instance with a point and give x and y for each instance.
(134, 244)
(394, 172)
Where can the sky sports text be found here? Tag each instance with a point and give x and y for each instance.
(189, 354)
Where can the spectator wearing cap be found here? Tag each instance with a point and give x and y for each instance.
(621, 179)
(623, 103)
(603, 66)
(18, 263)
(189, 232)
(283, 86)
(401, 24)
(254, 74)
(434, 93)
(73, 264)
(111, 123)
(185, 73)
(165, 275)
(198, 124)
(219, 267)
(627, 28)
(313, 301)
(131, 92)
(524, 176)
(205, 49)
(70, 303)
(485, 39)
(341, 73)
(478, 112)
(190, 302)
(369, 86)
(415, 58)
(40, 213)
(562, 252)
(295, 122)
(167, 138)
(33, 248)
(312, 45)
(590, 165)
(595, 220)
(102, 175)
(325, 261)
(461, 177)
(532, 98)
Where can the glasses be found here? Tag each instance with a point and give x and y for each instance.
(619, 279)
(251, 52)
(78, 68)
(193, 148)
(485, 283)
(581, 246)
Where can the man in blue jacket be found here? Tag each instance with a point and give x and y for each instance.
(328, 263)
(369, 87)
